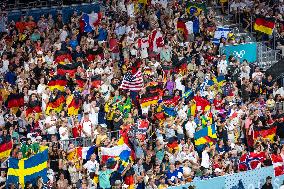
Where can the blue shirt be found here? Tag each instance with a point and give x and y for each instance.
(172, 176)
(102, 34)
(73, 43)
(180, 173)
(11, 78)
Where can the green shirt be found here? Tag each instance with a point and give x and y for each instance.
(160, 154)
(16, 136)
(104, 178)
(25, 148)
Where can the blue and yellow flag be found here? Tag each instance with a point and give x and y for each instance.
(204, 136)
(188, 94)
(170, 111)
(219, 81)
(28, 169)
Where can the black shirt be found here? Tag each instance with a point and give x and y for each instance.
(147, 166)
(267, 186)
(117, 125)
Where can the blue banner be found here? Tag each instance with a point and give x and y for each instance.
(66, 11)
(241, 52)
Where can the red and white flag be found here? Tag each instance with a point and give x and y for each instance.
(113, 152)
(132, 82)
(156, 40)
(278, 164)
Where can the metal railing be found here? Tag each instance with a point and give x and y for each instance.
(20, 5)
(78, 142)
(267, 57)
(85, 141)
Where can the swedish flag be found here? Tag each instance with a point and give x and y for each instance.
(170, 111)
(28, 169)
(204, 136)
(188, 93)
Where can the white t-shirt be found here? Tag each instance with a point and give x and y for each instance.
(94, 115)
(44, 97)
(87, 128)
(257, 76)
(63, 132)
(245, 72)
(4, 68)
(222, 65)
(99, 71)
(205, 160)
(63, 35)
(130, 10)
(51, 120)
(91, 166)
(2, 121)
(280, 91)
(41, 88)
(190, 127)
(179, 85)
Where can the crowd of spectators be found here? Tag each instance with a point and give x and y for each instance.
(244, 13)
(247, 101)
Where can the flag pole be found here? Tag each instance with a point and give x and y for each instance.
(228, 8)
(274, 39)
(251, 23)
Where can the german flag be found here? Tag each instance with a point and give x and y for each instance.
(61, 56)
(193, 8)
(182, 69)
(73, 105)
(265, 134)
(15, 100)
(55, 103)
(80, 82)
(148, 71)
(154, 88)
(160, 116)
(264, 25)
(57, 82)
(149, 99)
(71, 69)
(96, 81)
(173, 144)
(202, 102)
(182, 28)
(5, 149)
(33, 107)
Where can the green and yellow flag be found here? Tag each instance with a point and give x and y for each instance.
(195, 8)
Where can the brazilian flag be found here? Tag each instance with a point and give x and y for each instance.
(193, 8)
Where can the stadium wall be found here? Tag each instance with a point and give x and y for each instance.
(253, 179)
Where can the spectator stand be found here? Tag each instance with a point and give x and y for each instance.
(267, 56)
(65, 10)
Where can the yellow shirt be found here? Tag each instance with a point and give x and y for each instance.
(162, 186)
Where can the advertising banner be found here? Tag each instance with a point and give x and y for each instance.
(247, 51)
(253, 179)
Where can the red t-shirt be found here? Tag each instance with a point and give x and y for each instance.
(113, 45)
(217, 104)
